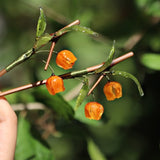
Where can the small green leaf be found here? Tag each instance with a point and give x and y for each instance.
(128, 75)
(62, 31)
(84, 30)
(109, 60)
(94, 151)
(83, 93)
(42, 40)
(151, 61)
(78, 29)
(41, 26)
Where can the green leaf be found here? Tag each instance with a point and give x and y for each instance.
(109, 60)
(42, 152)
(56, 102)
(24, 141)
(78, 29)
(41, 26)
(42, 40)
(151, 61)
(128, 75)
(83, 92)
(94, 151)
(27, 146)
(154, 9)
(84, 30)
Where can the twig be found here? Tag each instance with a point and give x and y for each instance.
(68, 75)
(97, 82)
(2, 72)
(50, 55)
(121, 58)
(25, 56)
(21, 88)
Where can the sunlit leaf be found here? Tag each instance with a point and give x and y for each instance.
(128, 75)
(151, 60)
(109, 60)
(83, 93)
(41, 26)
(154, 9)
(151, 7)
(94, 151)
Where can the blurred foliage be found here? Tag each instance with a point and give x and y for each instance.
(151, 61)
(129, 128)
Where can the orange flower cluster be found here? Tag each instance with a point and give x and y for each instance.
(94, 110)
(65, 59)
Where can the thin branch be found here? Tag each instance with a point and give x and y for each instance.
(97, 82)
(121, 58)
(50, 55)
(68, 75)
(2, 72)
(25, 56)
(21, 88)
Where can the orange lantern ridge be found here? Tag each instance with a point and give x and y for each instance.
(112, 90)
(93, 110)
(65, 59)
(55, 85)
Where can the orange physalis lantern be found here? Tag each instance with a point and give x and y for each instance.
(93, 110)
(112, 90)
(55, 85)
(65, 59)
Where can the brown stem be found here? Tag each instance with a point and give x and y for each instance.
(65, 76)
(50, 55)
(76, 22)
(21, 88)
(121, 58)
(2, 72)
(97, 82)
